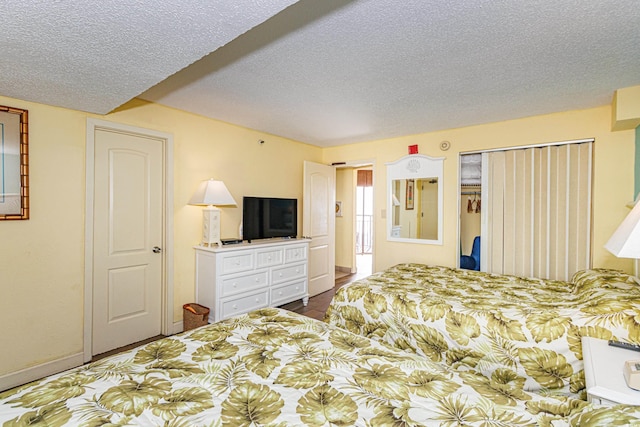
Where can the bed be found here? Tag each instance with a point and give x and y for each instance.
(487, 322)
(276, 368)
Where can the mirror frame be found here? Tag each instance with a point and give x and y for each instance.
(415, 166)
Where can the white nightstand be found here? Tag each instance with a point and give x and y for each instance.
(603, 373)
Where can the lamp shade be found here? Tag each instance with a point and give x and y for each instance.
(625, 241)
(212, 193)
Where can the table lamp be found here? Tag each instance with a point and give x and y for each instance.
(211, 193)
(625, 241)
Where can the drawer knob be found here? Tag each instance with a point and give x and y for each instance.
(235, 285)
(280, 293)
(280, 274)
(269, 258)
(257, 299)
(257, 279)
(297, 288)
(297, 270)
(235, 307)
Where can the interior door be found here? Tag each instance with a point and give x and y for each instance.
(128, 236)
(318, 223)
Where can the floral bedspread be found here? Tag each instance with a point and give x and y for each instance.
(276, 368)
(530, 328)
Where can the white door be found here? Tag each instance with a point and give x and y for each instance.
(318, 223)
(127, 238)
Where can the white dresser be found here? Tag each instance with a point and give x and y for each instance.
(236, 279)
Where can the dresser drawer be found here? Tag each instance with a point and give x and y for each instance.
(237, 279)
(236, 284)
(287, 293)
(289, 272)
(268, 258)
(236, 262)
(245, 304)
(295, 253)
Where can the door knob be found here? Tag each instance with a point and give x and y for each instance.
(156, 250)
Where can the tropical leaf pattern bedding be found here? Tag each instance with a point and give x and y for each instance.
(275, 368)
(530, 328)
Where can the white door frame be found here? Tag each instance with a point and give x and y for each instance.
(355, 164)
(167, 244)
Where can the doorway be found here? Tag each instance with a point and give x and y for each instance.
(470, 210)
(355, 225)
(364, 221)
(535, 216)
(128, 229)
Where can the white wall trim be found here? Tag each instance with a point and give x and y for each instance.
(178, 327)
(167, 327)
(24, 376)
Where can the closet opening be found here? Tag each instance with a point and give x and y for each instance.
(470, 210)
(535, 210)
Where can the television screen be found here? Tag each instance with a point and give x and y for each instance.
(268, 217)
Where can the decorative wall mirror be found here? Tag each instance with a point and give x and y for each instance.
(14, 163)
(415, 199)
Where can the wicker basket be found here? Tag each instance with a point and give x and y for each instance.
(195, 315)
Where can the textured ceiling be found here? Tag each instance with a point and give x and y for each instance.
(96, 55)
(326, 72)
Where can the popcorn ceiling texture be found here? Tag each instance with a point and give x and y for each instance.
(366, 70)
(96, 55)
(325, 72)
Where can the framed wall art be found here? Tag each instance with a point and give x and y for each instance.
(14, 163)
(411, 184)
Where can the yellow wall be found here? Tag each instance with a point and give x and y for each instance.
(612, 185)
(345, 224)
(407, 217)
(42, 259)
(625, 111)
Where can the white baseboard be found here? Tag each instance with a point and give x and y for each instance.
(27, 375)
(178, 327)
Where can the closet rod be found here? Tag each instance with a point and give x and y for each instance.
(471, 193)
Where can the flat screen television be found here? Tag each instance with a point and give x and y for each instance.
(269, 217)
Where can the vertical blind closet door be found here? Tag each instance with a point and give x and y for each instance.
(539, 202)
